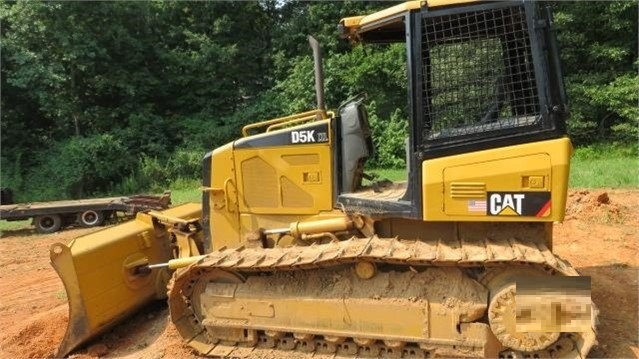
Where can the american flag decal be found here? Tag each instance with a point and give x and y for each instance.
(477, 206)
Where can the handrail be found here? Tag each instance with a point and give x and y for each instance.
(227, 199)
(287, 123)
(322, 114)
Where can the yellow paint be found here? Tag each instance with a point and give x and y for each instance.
(98, 272)
(250, 222)
(449, 183)
(354, 24)
(268, 187)
(339, 317)
(223, 202)
(532, 182)
(438, 3)
(268, 182)
(359, 21)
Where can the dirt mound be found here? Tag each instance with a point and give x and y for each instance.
(38, 336)
(596, 206)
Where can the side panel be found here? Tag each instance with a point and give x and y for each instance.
(269, 178)
(526, 182)
(287, 180)
(293, 178)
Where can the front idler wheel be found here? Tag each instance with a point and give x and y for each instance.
(501, 316)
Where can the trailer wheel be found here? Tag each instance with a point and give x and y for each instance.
(47, 223)
(91, 218)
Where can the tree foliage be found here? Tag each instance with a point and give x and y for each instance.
(599, 53)
(118, 96)
(135, 71)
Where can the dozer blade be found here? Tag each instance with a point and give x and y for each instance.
(104, 273)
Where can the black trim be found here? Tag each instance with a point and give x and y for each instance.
(337, 157)
(488, 143)
(287, 137)
(559, 99)
(414, 192)
(541, 75)
(529, 204)
(206, 208)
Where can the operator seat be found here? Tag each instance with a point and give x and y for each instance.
(356, 144)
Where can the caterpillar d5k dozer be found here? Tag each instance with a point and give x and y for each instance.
(291, 252)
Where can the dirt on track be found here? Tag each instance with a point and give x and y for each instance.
(600, 237)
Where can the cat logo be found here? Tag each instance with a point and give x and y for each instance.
(530, 204)
(506, 204)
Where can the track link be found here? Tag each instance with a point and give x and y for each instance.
(242, 261)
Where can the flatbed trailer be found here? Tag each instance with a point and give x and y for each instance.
(49, 217)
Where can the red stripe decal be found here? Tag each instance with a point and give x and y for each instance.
(543, 210)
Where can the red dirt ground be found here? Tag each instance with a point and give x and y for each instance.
(600, 237)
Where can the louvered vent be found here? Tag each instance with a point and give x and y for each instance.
(467, 190)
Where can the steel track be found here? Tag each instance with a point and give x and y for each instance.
(458, 253)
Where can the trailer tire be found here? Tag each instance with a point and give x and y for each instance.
(90, 218)
(47, 223)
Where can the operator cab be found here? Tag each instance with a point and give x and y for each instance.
(355, 147)
(479, 77)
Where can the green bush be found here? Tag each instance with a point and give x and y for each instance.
(11, 173)
(129, 185)
(150, 171)
(388, 137)
(184, 163)
(76, 168)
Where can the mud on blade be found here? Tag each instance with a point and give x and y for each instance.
(102, 277)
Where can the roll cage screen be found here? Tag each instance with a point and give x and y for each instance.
(484, 75)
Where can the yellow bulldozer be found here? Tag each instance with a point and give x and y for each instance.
(293, 248)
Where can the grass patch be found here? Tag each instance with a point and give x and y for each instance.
(14, 225)
(605, 166)
(600, 173)
(185, 190)
(388, 173)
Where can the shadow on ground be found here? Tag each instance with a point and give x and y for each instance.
(20, 232)
(615, 293)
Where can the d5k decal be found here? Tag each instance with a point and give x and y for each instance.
(530, 204)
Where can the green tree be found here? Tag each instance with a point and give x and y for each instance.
(138, 71)
(599, 53)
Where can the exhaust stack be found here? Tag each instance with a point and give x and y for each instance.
(319, 73)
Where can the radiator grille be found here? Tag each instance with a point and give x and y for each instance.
(478, 73)
(259, 183)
